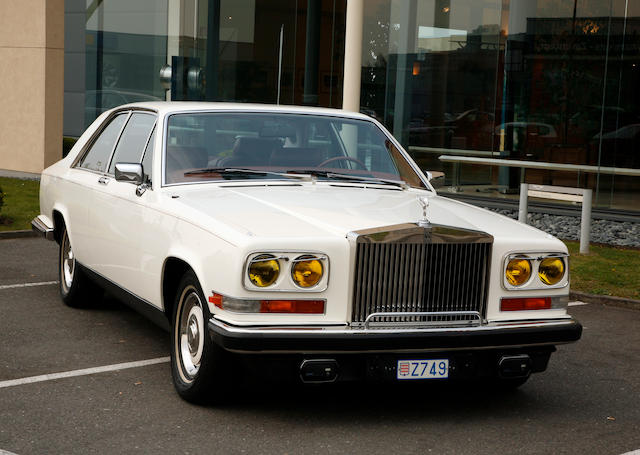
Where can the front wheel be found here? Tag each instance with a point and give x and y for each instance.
(197, 364)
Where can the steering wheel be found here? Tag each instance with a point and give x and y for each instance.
(344, 158)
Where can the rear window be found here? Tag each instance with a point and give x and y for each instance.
(97, 158)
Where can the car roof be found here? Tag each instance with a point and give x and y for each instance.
(165, 107)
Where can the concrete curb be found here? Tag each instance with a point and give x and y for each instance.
(19, 175)
(18, 234)
(605, 300)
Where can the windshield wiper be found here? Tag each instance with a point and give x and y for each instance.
(354, 178)
(234, 171)
(304, 174)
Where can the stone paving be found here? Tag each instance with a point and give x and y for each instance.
(568, 228)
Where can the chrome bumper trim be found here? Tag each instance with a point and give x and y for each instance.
(355, 331)
(39, 225)
(473, 318)
(346, 339)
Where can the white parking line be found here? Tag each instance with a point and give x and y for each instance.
(578, 303)
(27, 285)
(84, 372)
(4, 452)
(633, 452)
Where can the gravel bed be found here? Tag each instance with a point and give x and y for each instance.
(568, 228)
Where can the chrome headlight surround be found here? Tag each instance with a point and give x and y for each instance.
(286, 261)
(534, 282)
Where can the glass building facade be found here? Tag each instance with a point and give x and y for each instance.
(548, 82)
(262, 51)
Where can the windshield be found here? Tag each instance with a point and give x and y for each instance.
(242, 146)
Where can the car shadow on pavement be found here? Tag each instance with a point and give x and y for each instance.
(350, 400)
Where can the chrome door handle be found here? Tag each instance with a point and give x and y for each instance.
(103, 180)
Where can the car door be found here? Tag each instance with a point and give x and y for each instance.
(83, 179)
(117, 214)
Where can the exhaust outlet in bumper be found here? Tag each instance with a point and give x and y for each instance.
(515, 366)
(319, 370)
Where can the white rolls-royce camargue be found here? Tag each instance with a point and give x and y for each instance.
(298, 241)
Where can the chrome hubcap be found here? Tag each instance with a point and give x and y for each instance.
(193, 337)
(68, 263)
(190, 334)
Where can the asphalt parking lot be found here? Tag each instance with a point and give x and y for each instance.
(587, 402)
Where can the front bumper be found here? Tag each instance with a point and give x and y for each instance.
(341, 339)
(42, 226)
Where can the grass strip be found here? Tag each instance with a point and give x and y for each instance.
(605, 270)
(21, 203)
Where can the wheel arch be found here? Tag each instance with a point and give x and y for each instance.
(58, 225)
(172, 271)
(60, 218)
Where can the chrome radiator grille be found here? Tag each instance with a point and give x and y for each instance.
(420, 270)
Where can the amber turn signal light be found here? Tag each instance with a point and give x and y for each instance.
(525, 304)
(267, 306)
(292, 306)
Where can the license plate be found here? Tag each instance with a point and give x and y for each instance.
(423, 369)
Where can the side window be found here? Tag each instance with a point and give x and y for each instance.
(134, 137)
(147, 161)
(98, 155)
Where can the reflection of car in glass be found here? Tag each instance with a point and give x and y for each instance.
(619, 147)
(99, 101)
(527, 139)
(587, 122)
(301, 243)
(471, 129)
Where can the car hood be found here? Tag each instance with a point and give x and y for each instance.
(323, 209)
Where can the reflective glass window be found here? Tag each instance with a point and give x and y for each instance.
(541, 81)
(266, 51)
(115, 56)
(430, 71)
(147, 161)
(283, 143)
(133, 139)
(97, 158)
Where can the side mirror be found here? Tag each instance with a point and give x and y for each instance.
(436, 178)
(130, 173)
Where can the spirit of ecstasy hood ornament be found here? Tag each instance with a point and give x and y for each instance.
(424, 202)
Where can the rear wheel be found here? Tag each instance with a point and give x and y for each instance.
(197, 364)
(76, 289)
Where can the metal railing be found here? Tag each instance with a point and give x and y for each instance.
(561, 193)
(584, 196)
(458, 159)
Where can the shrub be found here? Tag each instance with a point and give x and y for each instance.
(67, 145)
(1, 199)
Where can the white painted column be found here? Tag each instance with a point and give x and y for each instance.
(173, 33)
(353, 56)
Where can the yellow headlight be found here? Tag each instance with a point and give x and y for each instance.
(518, 271)
(307, 273)
(264, 270)
(551, 270)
